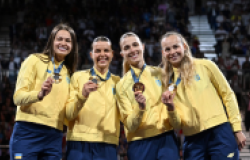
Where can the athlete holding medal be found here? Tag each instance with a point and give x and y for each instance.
(148, 132)
(94, 121)
(41, 98)
(196, 104)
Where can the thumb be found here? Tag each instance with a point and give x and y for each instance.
(172, 96)
(50, 80)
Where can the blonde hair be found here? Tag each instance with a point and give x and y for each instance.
(126, 65)
(187, 69)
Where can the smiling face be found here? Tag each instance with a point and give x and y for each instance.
(102, 55)
(62, 45)
(173, 50)
(132, 51)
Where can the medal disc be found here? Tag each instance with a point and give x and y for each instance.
(95, 79)
(172, 88)
(138, 87)
(57, 78)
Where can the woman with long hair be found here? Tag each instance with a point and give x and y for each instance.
(148, 132)
(195, 97)
(42, 90)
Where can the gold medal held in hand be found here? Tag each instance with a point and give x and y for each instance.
(57, 78)
(95, 79)
(138, 87)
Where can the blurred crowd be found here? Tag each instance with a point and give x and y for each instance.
(148, 19)
(111, 18)
(230, 22)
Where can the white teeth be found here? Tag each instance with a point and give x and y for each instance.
(61, 48)
(134, 56)
(102, 59)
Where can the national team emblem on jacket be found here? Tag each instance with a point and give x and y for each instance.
(197, 77)
(157, 81)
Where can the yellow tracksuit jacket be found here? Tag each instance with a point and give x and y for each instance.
(96, 118)
(141, 124)
(51, 110)
(200, 106)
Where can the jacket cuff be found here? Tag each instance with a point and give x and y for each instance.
(138, 112)
(236, 127)
(81, 97)
(172, 114)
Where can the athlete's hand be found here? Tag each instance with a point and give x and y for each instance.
(241, 139)
(88, 88)
(46, 88)
(139, 97)
(167, 98)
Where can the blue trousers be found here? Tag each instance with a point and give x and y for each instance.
(78, 150)
(217, 143)
(161, 147)
(30, 141)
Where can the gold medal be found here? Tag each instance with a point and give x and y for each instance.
(138, 87)
(95, 79)
(57, 78)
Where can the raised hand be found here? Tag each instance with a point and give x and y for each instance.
(88, 88)
(139, 97)
(167, 98)
(46, 88)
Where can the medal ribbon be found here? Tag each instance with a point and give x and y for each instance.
(94, 74)
(178, 81)
(59, 67)
(136, 79)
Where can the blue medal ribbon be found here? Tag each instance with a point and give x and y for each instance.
(136, 79)
(94, 74)
(57, 71)
(178, 81)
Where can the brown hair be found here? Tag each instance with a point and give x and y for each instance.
(187, 69)
(101, 39)
(71, 59)
(126, 66)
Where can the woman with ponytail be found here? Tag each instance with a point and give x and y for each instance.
(197, 91)
(42, 90)
(94, 121)
(148, 132)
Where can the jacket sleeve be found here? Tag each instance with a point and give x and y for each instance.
(174, 119)
(227, 95)
(129, 116)
(25, 93)
(76, 100)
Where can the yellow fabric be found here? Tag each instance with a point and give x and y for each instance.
(136, 70)
(154, 120)
(103, 76)
(96, 118)
(51, 110)
(199, 107)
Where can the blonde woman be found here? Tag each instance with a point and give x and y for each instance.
(148, 132)
(196, 104)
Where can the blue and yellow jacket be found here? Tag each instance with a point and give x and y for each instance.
(96, 118)
(141, 124)
(51, 110)
(200, 105)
